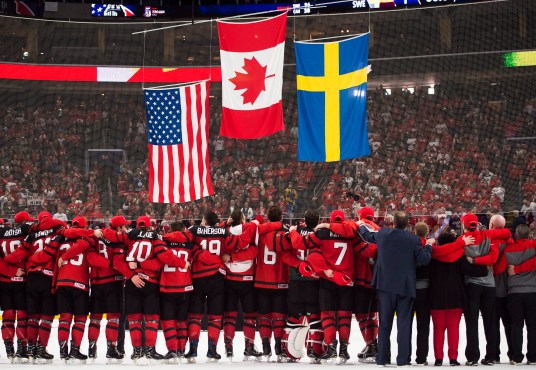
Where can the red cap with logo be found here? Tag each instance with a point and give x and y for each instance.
(143, 221)
(365, 212)
(79, 221)
(337, 216)
(23, 216)
(118, 221)
(44, 215)
(470, 220)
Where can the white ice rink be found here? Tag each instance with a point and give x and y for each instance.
(356, 344)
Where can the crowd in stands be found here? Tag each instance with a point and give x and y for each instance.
(431, 154)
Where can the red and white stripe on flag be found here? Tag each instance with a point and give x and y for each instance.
(252, 55)
(177, 121)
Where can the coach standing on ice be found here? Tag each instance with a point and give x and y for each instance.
(399, 254)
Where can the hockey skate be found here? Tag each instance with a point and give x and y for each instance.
(212, 355)
(331, 353)
(313, 358)
(180, 354)
(191, 356)
(138, 356)
(343, 353)
(10, 350)
(22, 353)
(152, 356)
(281, 355)
(42, 356)
(368, 354)
(64, 351)
(32, 352)
(92, 352)
(266, 349)
(251, 353)
(171, 358)
(229, 350)
(112, 354)
(75, 356)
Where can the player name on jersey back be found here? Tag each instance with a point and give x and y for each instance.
(208, 230)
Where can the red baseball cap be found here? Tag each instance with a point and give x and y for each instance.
(365, 212)
(470, 220)
(43, 216)
(143, 221)
(118, 221)
(2, 221)
(23, 216)
(337, 216)
(79, 221)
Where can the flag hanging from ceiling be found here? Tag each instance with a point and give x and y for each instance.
(332, 98)
(177, 124)
(252, 77)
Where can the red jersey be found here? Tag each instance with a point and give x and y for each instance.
(218, 241)
(241, 267)
(299, 254)
(364, 253)
(176, 279)
(108, 274)
(271, 272)
(139, 246)
(77, 256)
(35, 242)
(337, 250)
(10, 240)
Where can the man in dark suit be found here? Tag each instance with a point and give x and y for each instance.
(399, 254)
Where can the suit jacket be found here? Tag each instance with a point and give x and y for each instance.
(399, 254)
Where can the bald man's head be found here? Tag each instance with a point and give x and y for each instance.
(497, 222)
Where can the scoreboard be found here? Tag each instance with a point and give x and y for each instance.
(294, 8)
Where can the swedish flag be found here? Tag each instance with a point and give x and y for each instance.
(332, 98)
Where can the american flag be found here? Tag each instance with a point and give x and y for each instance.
(177, 121)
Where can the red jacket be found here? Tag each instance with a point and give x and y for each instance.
(140, 246)
(453, 251)
(272, 273)
(364, 253)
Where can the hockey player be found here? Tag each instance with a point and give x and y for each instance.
(332, 256)
(208, 280)
(303, 293)
(239, 276)
(175, 291)
(74, 254)
(13, 289)
(365, 303)
(40, 301)
(141, 289)
(271, 283)
(107, 296)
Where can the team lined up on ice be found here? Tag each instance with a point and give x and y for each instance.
(299, 285)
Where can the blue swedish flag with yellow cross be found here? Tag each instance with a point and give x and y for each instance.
(332, 99)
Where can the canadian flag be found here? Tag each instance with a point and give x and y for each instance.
(252, 56)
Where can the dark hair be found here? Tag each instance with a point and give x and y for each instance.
(211, 218)
(176, 226)
(275, 214)
(236, 216)
(401, 220)
(446, 237)
(522, 231)
(311, 219)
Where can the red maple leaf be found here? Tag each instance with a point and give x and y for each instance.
(252, 81)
